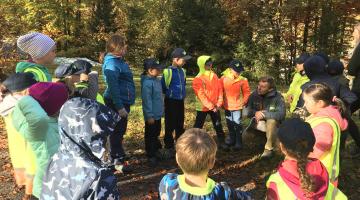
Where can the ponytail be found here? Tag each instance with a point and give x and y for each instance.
(340, 106)
(301, 156)
(101, 57)
(307, 182)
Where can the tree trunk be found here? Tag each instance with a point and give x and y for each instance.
(306, 27)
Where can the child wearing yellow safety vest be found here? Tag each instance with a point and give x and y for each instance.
(209, 97)
(298, 176)
(41, 49)
(327, 123)
(236, 91)
(294, 92)
(80, 80)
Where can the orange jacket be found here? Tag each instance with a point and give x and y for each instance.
(236, 91)
(207, 88)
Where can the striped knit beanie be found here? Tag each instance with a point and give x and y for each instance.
(37, 45)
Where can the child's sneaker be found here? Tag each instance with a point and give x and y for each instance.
(122, 166)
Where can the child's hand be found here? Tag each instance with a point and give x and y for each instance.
(259, 115)
(84, 77)
(122, 113)
(151, 121)
(290, 98)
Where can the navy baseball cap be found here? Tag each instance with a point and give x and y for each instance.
(19, 81)
(152, 63)
(237, 66)
(180, 53)
(302, 58)
(335, 67)
(77, 67)
(296, 135)
(323, 56)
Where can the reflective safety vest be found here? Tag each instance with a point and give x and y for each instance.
(99, 97)
(285, 193)
(167, 73)
(39, 74)
(330, 159)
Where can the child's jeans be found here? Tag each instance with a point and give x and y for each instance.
(174, 120)
(233, 121)
(152, 142)
(116, 139)
(215, 118)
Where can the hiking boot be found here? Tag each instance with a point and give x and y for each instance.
(267, 154)
(221, 143)
(230, 139)
(122, 166)
(238, 141)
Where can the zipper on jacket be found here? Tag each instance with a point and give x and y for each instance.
(127, 86)
(178, 71)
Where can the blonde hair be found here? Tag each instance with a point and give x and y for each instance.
(195, 151)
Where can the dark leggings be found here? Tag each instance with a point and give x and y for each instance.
(215, 118)
(116, 139)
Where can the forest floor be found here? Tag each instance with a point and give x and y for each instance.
(242, 169)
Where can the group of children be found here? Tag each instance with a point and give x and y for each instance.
(61, 127)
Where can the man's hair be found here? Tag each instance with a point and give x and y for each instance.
(195, 151)
(268, 79)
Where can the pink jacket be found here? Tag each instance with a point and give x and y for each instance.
(324, 132)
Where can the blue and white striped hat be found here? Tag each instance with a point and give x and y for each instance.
(37, 45)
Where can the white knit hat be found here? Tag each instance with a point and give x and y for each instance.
(37, 45)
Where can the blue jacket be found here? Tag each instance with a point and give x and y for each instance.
(177, 87)
(173, 187)
(152, 98)
(120, 87)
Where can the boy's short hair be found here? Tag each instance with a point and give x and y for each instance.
(195, 151)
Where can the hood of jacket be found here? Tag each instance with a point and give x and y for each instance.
(315, 67)
(334, 113)
(8, 104)
(201, 64)
(22, 65)
(85, 124)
